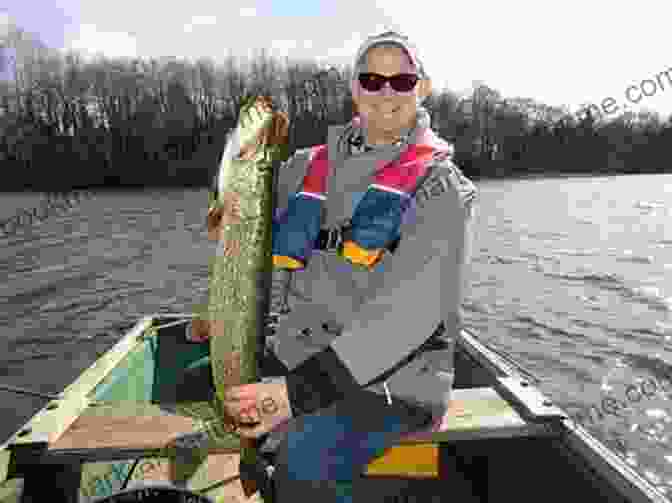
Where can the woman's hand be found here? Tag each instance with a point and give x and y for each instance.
(199, 330)
(255, 409)
(219, 217)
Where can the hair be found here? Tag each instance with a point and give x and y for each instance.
(361, 64)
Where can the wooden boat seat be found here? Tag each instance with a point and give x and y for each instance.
(472, 413)
(123, 430)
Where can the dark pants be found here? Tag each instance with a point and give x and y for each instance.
(323, 455)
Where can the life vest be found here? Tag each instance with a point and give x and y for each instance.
(376, 219)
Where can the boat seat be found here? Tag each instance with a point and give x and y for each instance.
(122, 430)
(473, 413)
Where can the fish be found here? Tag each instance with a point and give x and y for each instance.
(239, 218)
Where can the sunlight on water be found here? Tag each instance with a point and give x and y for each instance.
(635, 411)
(631, 458)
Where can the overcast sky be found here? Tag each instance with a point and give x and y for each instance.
(567, 52)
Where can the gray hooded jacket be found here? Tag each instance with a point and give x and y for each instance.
(346, 327)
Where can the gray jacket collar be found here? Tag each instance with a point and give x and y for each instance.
(352, 137)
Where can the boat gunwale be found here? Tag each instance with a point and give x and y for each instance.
(575, 439)
(606, 463)
(52, 420)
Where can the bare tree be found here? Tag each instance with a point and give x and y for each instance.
(99, 118)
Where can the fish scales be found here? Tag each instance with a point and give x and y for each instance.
(238, 279)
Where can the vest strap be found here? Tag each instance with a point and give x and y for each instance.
(330, 239)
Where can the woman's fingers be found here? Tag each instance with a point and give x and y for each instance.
(200, 330)
(248, 415)
(213, 220)
(256, 408)
(242, 392)
(231, 204)
(241, 417)
(253, 431)
(228, 213)
(235, 405)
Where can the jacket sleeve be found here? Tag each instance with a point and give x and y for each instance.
(423, 284)
(298, 215)
(290, 177)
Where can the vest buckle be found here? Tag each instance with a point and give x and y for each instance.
(329, 239)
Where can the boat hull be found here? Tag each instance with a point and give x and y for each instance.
(117, 422)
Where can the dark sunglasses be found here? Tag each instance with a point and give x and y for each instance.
(401, 83)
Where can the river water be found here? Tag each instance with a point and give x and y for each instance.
(573, 277)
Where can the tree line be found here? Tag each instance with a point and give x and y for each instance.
(67, 122)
